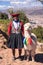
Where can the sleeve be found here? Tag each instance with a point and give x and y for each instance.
(9, 28)
(22, 28)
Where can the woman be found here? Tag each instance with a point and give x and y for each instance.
(15, 32)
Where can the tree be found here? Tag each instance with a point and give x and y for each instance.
(39, 33)
(10, 10)
(3, 16)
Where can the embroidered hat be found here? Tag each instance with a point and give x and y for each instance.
(15, 15)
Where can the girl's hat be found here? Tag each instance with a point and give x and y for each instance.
(15, 15)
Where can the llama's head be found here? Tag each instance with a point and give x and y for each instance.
(27, 27)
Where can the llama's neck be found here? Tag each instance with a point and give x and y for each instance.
(26, 34)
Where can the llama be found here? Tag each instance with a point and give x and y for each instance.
(30, 41)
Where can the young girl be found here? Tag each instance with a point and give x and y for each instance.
(15, 32)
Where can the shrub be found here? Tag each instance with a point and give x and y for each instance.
(3, 16)
(39, 33)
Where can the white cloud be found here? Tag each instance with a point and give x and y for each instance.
(10, 7)
(2, 6)
(5, 7)
(26, 2)
(18, 2)
(4, 0)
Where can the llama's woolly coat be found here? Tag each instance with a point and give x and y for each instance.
(32, 36)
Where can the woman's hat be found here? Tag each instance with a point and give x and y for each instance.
(15, 15)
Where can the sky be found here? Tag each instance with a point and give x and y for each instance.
(5, 4)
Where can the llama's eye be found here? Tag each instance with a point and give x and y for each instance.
(30, 27)
(25, 26)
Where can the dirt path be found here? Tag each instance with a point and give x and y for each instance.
(6, 56)
(6, 59)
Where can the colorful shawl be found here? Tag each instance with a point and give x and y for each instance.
(27, 41)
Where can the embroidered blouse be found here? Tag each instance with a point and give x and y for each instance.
(17, 26)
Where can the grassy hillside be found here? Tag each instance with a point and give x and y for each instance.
(39, 33)
(4, 24)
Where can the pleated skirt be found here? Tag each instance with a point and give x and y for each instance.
(15, 41)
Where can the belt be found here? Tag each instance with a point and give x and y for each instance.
(16, 32)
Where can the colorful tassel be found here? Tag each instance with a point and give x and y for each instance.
(27, 41)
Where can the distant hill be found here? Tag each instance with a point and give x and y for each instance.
(27, 10)
(34, 11)
(37, 12)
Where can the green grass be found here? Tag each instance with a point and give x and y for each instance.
(38, 31)
(4, 21)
